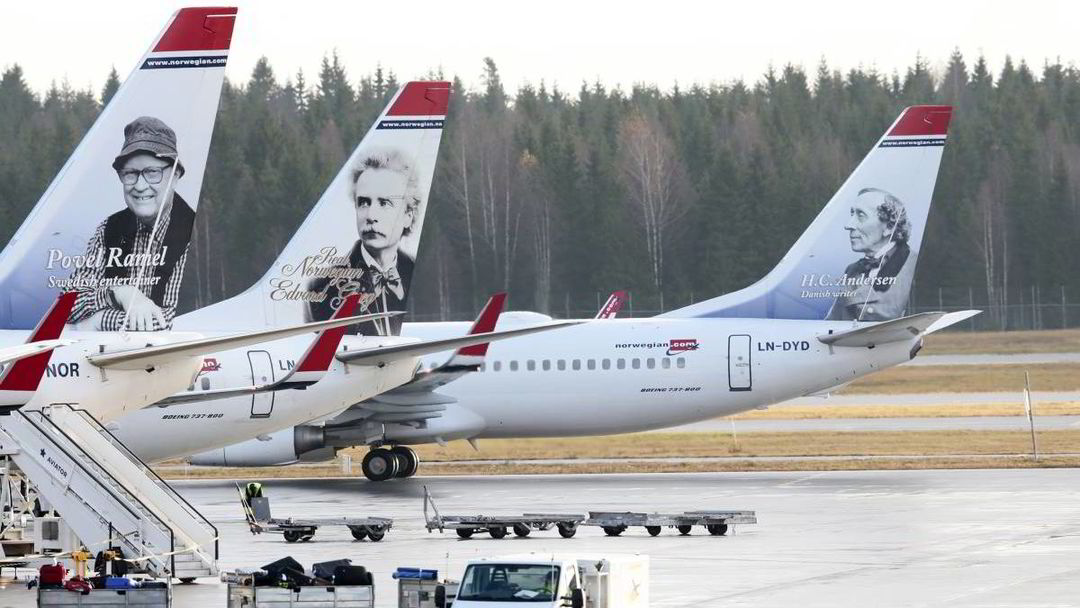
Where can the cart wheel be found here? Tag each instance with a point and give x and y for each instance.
(567, 530)
(653, 530)
(684, 530)
(465, 532)
(521, 530)
(307, 537)
(187, 580)
(717, 529)
(375, 533)
(497, 532)
(292, 536)
(614, 530)
(358, 532)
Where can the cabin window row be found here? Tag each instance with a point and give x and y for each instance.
(589, 364)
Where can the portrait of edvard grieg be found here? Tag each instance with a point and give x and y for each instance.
(384, 194)
(876, 286)
(135, 257)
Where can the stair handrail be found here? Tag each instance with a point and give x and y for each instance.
(91, 475)
(134, 458)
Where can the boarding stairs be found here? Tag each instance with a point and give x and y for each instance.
(106, 495)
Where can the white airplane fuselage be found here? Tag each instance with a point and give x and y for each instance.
(686, 370)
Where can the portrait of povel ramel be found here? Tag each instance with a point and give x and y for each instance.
(130, 276)
(876, 286)
(384, 194)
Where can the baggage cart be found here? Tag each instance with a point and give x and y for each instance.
(717, 523)
(257, 512)
(315, 596)
(499, 526)
(156, 597)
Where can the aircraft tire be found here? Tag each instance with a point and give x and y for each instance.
(380, 464)
(408, 461)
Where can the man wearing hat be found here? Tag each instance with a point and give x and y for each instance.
(135, 259)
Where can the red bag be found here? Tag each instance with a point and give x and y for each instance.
(52, 575)
(79, 585)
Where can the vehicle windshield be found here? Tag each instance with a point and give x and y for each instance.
(509, 583)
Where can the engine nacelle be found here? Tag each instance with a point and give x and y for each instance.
(283, 447)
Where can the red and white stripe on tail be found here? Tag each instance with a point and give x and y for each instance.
(19, 380)
(485, 323)
(614, 304)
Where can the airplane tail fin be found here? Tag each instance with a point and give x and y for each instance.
(363, 234)
(857, 259)
(115, 222)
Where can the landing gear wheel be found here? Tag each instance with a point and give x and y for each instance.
(684, 530)
(464, 533)
(187, 580)
(567, 530)
(292, 536)
(359, 532)
(521, 530)
(408, 461)
(614, 530)
(717, 529)
(380, 464)
(653, 530)
(497, 532)
(375, 533)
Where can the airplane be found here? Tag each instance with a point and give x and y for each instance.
(831, 311)
(124, 254)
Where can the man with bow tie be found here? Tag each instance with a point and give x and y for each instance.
(876, 286)
(385, 197)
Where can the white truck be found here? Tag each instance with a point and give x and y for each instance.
(545, 580)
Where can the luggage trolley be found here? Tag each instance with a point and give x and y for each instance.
(717, 523)
(496, 525)
(257, 512)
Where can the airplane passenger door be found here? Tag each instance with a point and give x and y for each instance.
(262, 372)
(739, 363)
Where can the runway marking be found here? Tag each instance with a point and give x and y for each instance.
(801, 479)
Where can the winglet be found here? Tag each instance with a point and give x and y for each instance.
(613, 305)
(24, 375)
(316, 361)
(484, 323)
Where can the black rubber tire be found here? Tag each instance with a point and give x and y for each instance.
(497, 532)
(684, 530)
(653, 530)
(717, 529)
(380, 464)
(567, 530)
(307, 538)
(292, 536)
(521, 530)
(187, 580)
(359, 532)
(614, 530)
(464, 532)
(408, 461)
(375, 533)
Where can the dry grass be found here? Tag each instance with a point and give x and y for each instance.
(1000, 342)
(966, 379)
(935, 410)
(906, 447)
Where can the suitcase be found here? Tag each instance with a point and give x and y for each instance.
(352, 575)
(118, 582)
(326, 569)
(78, 585)
(52, 577)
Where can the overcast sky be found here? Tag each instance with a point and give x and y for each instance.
(619, 43)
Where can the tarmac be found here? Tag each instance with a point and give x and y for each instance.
(956, 538)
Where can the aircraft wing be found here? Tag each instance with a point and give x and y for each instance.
(465, 360)
(142, 358)
(382, 355)
(896, 330)
(309, 369)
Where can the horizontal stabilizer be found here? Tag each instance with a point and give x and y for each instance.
(950, 319)
(387, 354)
(885, 332)
(22, 351)
(142, 358)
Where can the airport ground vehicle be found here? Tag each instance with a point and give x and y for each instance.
(257, 512)
(614, 523)
(597, 581)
